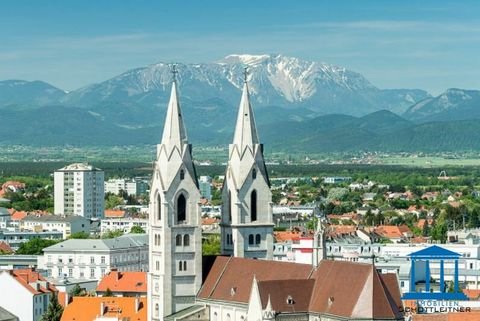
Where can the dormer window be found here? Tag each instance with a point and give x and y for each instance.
(290, 300)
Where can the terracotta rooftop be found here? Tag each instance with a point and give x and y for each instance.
(114, 213)
(124, 282)
(393, 231)
(282, 236)
(116, 308)
(32, 281)
(344, 289)
(231, 278)
(210, 221)
(5, 248)
(18, 215)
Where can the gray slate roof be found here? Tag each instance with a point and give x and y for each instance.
(122, 242)
(7, 316)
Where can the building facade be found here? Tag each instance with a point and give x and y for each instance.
(123, 224)
(247, 223)
(79, 190)
(175, 230)
(68, 225)
(130, 186)
(93, 258)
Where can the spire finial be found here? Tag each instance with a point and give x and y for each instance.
(174, 72)
(245, 74)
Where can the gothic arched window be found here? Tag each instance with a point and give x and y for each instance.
(184, 265)
(181, 209)
(253, 206)
(186, 240)
(180, 266)
(254, 173)
(159, 208)
(230, 210)
(257, 239)
(250, 239)
(182, 174)
(178, 240)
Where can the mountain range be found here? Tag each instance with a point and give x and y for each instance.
(299, 105)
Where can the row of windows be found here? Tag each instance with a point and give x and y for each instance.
(185, 239)
(157, 239)
(182, 265)
(254, 240)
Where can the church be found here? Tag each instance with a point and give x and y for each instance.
(243, 283)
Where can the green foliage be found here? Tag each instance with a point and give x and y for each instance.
(211, 245)
(80, 235)
(112, 200)
(108, 293)
(137, 230)
(54, 309)
(112, 234)
(35, 246)
(77, 291)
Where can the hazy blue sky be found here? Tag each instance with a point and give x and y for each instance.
(431, 45)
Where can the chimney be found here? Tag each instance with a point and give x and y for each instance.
(137, 304)
(102, 308)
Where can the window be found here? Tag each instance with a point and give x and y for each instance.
(180, 266)
(156, 310)
(157, 265)
(182, 174)
(60, 272)
(186, 240)
(250, 239)
(178, 240)
(102, 259)
(253, 206)
(254, 173)
(184, 265)
(159, 207)
(257, 239)
(230, 210)
(103, 271)
(70, 273)
(92, 273)
(181, 209)
(49, 258)
(92, 259)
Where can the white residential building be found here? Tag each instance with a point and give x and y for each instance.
(93, 258)
(123, 224)
(79, 190)
(205, 185)
(25, 293)
(131, 186)
(68, 225)
(15, 237)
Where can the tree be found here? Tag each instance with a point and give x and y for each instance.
(211, 246)
(112, 234)
(108, 292)
(137, 230)
(112, 200)
(54, 309)
(35, 246)
(76, 291)
(80, 235)
(425, 228)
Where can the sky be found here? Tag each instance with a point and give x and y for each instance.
(431, 45)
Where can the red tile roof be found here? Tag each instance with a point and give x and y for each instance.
(114, 213)
(282, 236)
(5, 248)
(30, 279)
(393, 231)
(124, 282)
(18, 215)
(120, 308)
(210, 221)
(345, 289)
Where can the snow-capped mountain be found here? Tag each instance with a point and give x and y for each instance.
(274, 80)
(453, 104)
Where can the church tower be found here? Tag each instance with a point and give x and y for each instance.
(175, 273)
(247, 223)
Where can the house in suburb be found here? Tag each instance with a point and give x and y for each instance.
(25, 293)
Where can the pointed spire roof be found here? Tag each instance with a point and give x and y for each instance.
(174, 133)
(245, 129)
